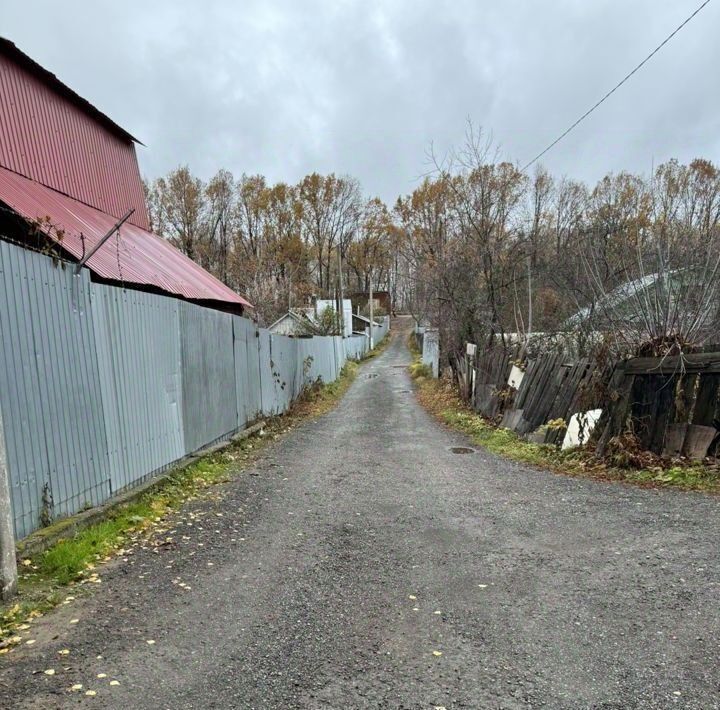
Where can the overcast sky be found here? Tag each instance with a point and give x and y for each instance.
(287, 87)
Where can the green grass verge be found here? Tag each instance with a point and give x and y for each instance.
(442, 399)
(379, 348)
(44, 579)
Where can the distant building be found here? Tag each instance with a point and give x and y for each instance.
(322, 304)
(69, 172)
(361, 324)
(382, 302)
(294, 324)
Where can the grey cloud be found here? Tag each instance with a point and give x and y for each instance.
(284, 88)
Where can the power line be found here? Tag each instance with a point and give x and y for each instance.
(617, 86)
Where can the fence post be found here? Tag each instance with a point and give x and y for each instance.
(8, 561)
(470, 357)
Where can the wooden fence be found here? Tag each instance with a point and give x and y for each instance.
(670, 405)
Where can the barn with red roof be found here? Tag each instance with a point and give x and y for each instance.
(71, 172)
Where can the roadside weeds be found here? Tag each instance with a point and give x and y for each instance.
(72, 565)
(442, 400)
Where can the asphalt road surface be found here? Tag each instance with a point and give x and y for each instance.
(366, 565)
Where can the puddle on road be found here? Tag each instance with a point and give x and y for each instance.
(462, 450)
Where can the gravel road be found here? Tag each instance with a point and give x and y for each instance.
(362, 564)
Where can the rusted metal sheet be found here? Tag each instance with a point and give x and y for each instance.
(133, 256)
(55, 137)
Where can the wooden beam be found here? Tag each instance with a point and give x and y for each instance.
(700, 362)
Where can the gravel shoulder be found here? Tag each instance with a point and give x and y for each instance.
(360, 563)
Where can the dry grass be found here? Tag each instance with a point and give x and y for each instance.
(44, 580)
(443, 401)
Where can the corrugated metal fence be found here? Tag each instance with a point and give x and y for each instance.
(101, 387)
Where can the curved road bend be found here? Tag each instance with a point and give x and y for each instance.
(361, 549)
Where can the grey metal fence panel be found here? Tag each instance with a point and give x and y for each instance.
(380, 332)
(101, 387)
(319, 356)
(242, 330)
(356, 347)
(247, 365)
(49, 389)
(208, 375)
(267, 388)
(138, 348)
(284, 356)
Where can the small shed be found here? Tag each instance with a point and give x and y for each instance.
(292, 323)
(360, 323)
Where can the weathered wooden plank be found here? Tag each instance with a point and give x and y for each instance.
(664, 411)
(522, 392)
(698, 362)
(675, 439)
(706, 403)
(619, 390)
(511, 418)
(567, 395)
(534, 377)
(557, 379)
(698, 440)
(685, 398)
(643, 407)
(544, 390)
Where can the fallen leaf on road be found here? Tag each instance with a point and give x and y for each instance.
(482, 586)
(49, 671)
(30, 642)
(90, 692)
(102, 675)
(150, 642)
(411, 596)
(114, 682)
(64, 652)
(437, 653)
(74, 621)
(76, 687)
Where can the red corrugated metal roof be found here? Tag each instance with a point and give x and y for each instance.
(135, 257)
(53, 136)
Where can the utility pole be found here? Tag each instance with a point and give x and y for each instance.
(530, 313)
(8, 561)
(342, 295)
(372, 322)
